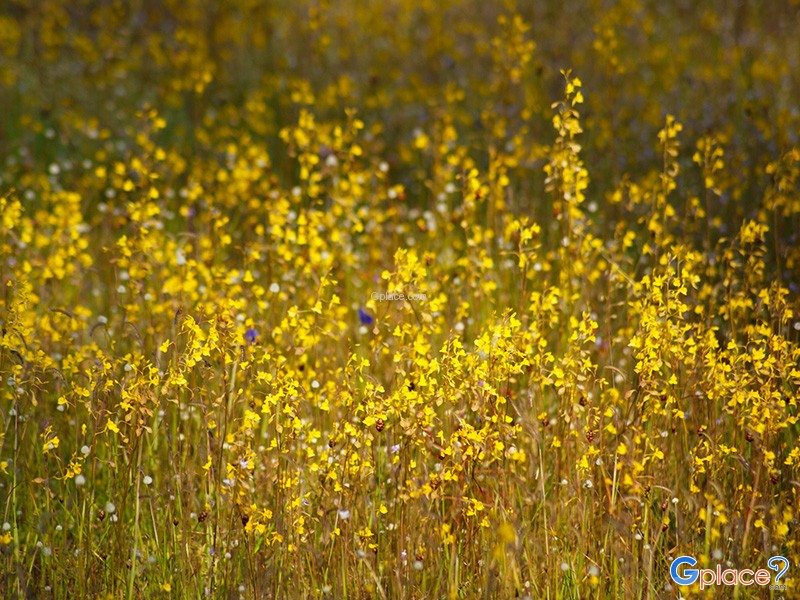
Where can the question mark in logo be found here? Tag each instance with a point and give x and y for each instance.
(775, 563)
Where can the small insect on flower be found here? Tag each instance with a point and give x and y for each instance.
(250, 336)
(365, 317)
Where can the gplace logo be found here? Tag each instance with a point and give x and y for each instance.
(718, 576)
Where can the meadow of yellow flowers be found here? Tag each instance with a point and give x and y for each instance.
(399, 299)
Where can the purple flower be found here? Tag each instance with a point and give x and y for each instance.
(365, 317)
(251, 336)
